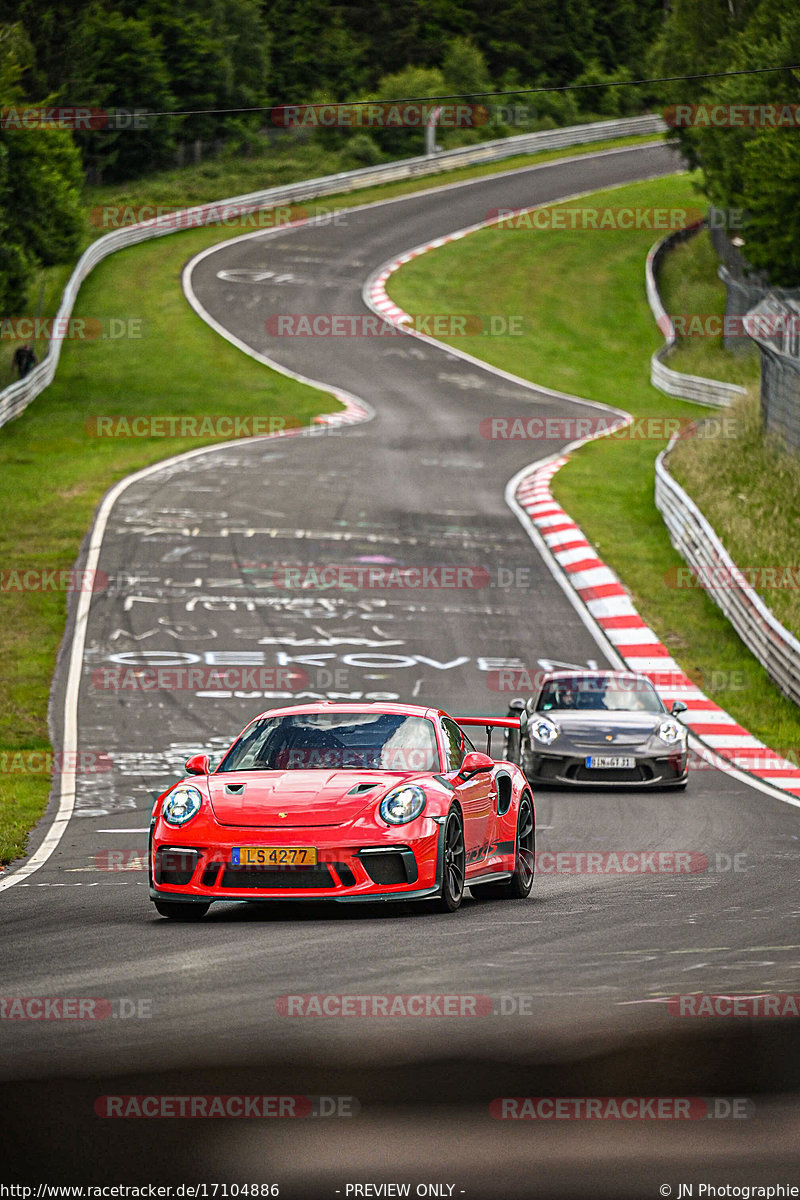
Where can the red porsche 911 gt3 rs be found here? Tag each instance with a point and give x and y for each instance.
(345, 802)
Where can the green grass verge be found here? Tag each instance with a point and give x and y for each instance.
(688, 283)
(52, 475)
(588, 330)
(748, 487)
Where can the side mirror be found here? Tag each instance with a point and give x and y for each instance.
(475, 763)
(198, 764)
(678, 707)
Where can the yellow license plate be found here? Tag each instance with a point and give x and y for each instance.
(274, 856)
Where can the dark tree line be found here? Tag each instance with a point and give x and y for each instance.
(752, 167)
(168, 56)
(149, 57)
(159, 55)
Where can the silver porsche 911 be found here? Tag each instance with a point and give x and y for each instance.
(600, 728)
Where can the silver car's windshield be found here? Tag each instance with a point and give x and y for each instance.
(600, 694)
(336, 741)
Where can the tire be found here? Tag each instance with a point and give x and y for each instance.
(176, 911)
(520, 884)
(455, 866)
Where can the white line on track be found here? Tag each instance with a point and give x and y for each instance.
(146, 829)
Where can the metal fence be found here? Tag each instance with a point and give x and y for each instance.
(745, 287)
(775, 647)
(15, 398)
(774, 325)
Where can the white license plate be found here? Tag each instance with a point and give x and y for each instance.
(608, 762)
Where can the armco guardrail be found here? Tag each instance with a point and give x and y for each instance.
(14, 399)
(713, 392)
(775, 647)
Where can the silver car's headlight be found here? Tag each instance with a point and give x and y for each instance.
(402, 805)
(670, 732)
(542, 730)
(181, 805)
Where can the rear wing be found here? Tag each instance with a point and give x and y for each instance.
(518, 724)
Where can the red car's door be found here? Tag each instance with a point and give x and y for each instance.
(477, 796)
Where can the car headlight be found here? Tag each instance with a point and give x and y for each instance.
(670, 732)
(402, 805)
(542, 730)
(181, 805)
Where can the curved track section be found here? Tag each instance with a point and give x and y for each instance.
(203, 550)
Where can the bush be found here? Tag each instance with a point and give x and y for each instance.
(361, 150)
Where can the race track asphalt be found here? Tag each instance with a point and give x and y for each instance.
(195, 552)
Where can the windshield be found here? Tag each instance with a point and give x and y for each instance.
(336, 741)
(600, 693)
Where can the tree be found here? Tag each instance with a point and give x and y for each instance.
(755, 166)
(40, 176)
(411, 83)
(118, 63)
(315, 48)
(464, 68)
(771, 187)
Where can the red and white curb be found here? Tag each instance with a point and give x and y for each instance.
(378, 299)
(353, 412)
(726, 745)
(611, 607)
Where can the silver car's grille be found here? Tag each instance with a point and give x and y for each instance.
(593, 742)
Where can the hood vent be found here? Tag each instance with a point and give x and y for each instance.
(360, 788)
